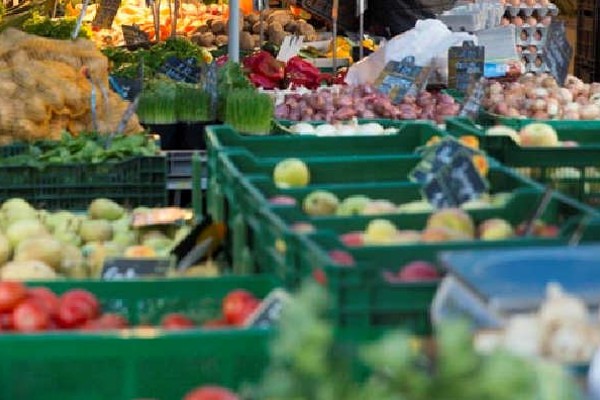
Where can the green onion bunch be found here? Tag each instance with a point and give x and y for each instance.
(192, 104)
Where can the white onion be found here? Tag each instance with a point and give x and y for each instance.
(346, 130)
(371, 129)
(303, 129)
(325, 130)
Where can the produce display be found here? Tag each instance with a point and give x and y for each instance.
(277, 24)
(87, 148)
(345, 103)
(305, 363)
(46, 86)
(37, 309)
(445, 225)
(562, 330)
(125, 63)
(40, 244)
(134, 12)
(541, 97)
(266, 72)
(323, 203)
(352, 128)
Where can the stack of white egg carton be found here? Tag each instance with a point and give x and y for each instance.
(531, 19)
(473, 17)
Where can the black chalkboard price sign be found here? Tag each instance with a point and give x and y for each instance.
(107, 10)
(465, 65)
(134, 36)
(399, 78)
(324, 9)
(448, 176)
(132, 268)
(269, 311)
(179, 70)
(558, 51)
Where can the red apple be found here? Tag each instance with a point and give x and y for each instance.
(281, 200)
(352, 239)
(342, 258)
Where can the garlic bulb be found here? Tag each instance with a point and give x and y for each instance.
(325, 130)
(561, 309)
(303, 129)
(523, 336)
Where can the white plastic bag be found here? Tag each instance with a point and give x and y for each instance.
(428, 41)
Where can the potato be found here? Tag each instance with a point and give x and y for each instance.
(280, 16)
(308, 31)
(246, 41)
(204, 39)
(275, 27)
(218, 27)
(256, 27)
(277, 37)
(252, 18)
(256, 40)
(247, 26)
(221, 40)
(203, 29)
(291, 27)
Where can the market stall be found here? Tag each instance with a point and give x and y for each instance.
(250, 200)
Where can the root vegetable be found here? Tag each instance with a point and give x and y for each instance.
(590, 112)
(246, 41)
(256, 27)
(291, 27)
(221, 40)
(218, 27)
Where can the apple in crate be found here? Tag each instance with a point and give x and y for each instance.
(416, 271)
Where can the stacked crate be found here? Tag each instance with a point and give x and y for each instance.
(587, 63)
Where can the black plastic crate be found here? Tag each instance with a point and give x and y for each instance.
(134, 182)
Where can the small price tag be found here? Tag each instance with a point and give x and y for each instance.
(558, 51)
(182, 70)
(473, 103)
(134, 36)
(465, 65)
(127, 88)
(448, 176)
(269, 311)
(115, 269)
(161, 216)
(399, 78)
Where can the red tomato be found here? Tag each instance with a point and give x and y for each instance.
(176, 321)
(6, 322)
(106, 322)
(238, 305)
(11, 294)
(29, 316)
(215, 324)
(46, 298)
(72, 314)
(77, 307)
(210, 393)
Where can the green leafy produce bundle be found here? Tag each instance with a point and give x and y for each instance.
(59, 28)
(88, 148)
(306, 364)
(249, 111)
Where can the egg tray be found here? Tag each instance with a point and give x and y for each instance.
(471, 18)
(540, 11)
(526, 51)
(528, 35)
(529, 58)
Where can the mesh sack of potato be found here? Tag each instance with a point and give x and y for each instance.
(46, 88)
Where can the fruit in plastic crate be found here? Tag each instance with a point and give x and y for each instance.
(291, 172)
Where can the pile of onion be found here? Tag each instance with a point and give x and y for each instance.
(540, 97)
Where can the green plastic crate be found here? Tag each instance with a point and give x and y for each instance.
(489, 119)
(361, 297)
(410, 136)
(137, 364)
(574, 171)
(134, 182)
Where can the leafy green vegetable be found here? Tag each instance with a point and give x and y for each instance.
(60, 28)
(157, 102)
(87, 148)
(249, 111)
(124, 63)
(192, 104)
(229, 77)
(306, 364)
